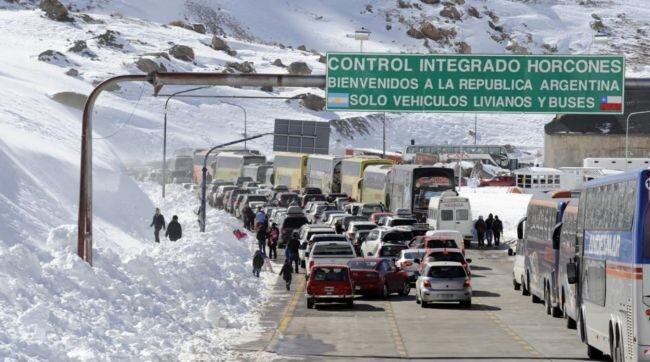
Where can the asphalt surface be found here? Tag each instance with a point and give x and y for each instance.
(502, 325)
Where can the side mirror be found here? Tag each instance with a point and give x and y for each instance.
(572, 273)
(416, 260)
(468, 260)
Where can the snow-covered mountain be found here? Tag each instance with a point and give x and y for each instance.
(47, 66)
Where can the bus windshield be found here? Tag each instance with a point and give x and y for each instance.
(425, 187)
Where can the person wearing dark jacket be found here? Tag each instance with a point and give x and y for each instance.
(488, 229)
(292, 251)
(286, 273)
(480, 228)
(272, 240)
(497, 230)
(258, 263)
(261, 237)
(174, 230)
(158, 223)
(248, 215)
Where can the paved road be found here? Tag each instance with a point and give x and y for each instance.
(501, 325)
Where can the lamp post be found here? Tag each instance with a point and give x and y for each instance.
(164, 160)
(627, 132)
(245, 120)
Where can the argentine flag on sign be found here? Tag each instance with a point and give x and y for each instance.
(338, 100)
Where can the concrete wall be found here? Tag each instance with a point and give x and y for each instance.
(566, 150)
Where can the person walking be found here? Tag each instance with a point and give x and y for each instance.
(248, 216)
(488, 230)
(258, 262)
(261, 237)
(286, 273)
(292, 247)
(479, 226)
(497, 229)
(174, 229)
(272, 240)
(260, 217)
(158, 223)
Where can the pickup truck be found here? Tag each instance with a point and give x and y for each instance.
(331, 253)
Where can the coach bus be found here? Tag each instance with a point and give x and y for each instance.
(567, 292)
(228, 166)
(498, 153)
(290, 169)
(411, 187)
(324, 172)
(541, 247)
(374, 186)
(612, 268)
(352, 173)
(259, 172)
(199, 155)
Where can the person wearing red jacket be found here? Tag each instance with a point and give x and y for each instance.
(272, 239)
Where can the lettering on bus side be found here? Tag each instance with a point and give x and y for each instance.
(602, 244)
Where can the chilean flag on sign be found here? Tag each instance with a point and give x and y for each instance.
(611, 103)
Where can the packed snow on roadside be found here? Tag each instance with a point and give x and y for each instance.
(498, 201)
(184, 300)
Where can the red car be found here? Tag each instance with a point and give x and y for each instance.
(329, 284)
(377, 276)
(374, 217)
(498, 181)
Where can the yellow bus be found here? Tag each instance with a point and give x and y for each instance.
(290, 169)
(228, 166)
(352, 173)
(375, 184)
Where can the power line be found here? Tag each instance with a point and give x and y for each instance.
(128, 119)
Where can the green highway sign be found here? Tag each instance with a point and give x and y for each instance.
(475, 83)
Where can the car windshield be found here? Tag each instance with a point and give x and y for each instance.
(294, 222)
(370, 209)
(365, 226)
(397, 236)
(447, 271)
(362, 264)
(318, 232)
(288, 198)
(256, 198)
(403, 222)
(439, 244)
(326, 250)
(362, 235)
(390, 250)
(330, 274)
(441, 256)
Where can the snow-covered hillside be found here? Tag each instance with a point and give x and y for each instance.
(42, 59)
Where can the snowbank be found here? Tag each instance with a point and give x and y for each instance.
(183, 300)
(496, 200)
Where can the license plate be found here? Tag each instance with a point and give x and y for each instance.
(445, 296)
(329, 289)
(357, 287)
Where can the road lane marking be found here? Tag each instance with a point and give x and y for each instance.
(397, 337)
(510, 332)
(287, 315)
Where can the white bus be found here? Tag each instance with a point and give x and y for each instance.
(612, 268)
(451, 212)
(614, 163)
(324, 172)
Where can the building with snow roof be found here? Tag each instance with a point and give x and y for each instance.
(570, 138)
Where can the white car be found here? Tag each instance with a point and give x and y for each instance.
(330, 253)
(384, 234)
(317, 238)
(443, 281)
(454, 235)
(406, 262)
(519, 268)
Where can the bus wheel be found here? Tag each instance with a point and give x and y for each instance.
(616, 349)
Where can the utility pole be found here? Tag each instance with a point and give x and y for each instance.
(383, 151)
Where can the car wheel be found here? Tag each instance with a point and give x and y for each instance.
(524, 288)
(350, 303)
(384, 292)
(406, 289)
(423, 304)
(466, 303)
(310, 303)
(515, 285)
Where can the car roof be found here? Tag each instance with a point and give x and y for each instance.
(317, 227)
(411, 250)
(366, 259)
(442, 250)
(362, 223)
(444, 263)
(331, 266)
(337, 237)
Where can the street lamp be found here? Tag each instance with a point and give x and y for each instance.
(245, 119)
(360, 35)
(627, 132)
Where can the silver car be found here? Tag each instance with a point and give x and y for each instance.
(443, 281)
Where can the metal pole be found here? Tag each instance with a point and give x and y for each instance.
(383, 152)
(202, 208)
(460, 168)
(627, 133)
(164, 163)
(245, 119)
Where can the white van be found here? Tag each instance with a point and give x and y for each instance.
(451, 212)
